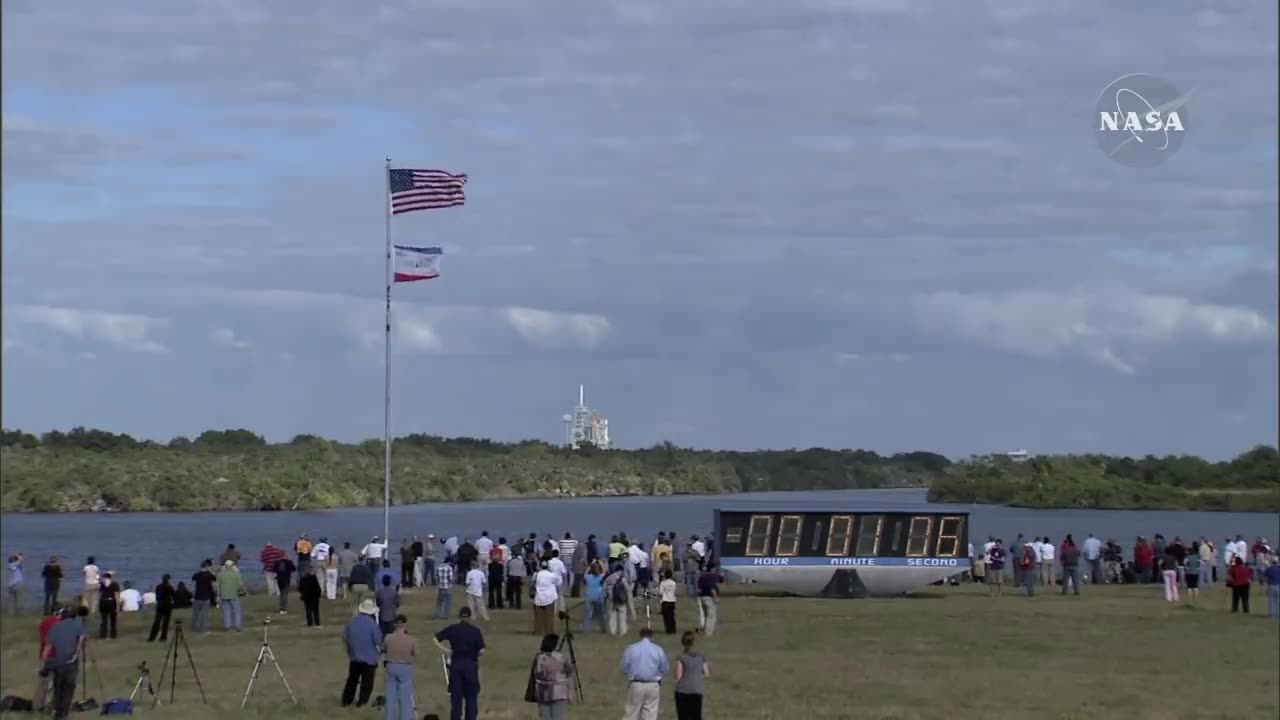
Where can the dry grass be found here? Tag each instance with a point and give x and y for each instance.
(1113, 652)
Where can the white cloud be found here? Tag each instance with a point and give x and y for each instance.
(552, 330)
(225, 337)
(127, 332)
(1091, 324)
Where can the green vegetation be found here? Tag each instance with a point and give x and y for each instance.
(1113, 652)
(1248, 483)
(86, 470)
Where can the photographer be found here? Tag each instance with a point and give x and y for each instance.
(595, 610)
(550, 681)
(617, 593)
(546, 596)
(62, 661)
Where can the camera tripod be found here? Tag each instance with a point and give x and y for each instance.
(171, 655)
(85, 662)
(264, 653)
(566, 641)
(144, 680)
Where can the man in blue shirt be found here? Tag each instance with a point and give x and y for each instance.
(65, 646)
(363, 639)
(466, 645)
(644, 664)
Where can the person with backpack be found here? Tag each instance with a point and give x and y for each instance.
(618, 592)
(1030, 573)
(551, 681)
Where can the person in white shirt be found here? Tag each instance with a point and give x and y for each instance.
(1037, 549)
(557, 566)
(667, 589)
(504, 551)
(484, 545)
(1092, 551)
(568, 546)
(130, 598)
(320, 551)
(477, 582)
(546, 597)
(699, 546)
(451, 545)
(1206, 563)
(1047, 554)
(89, 591)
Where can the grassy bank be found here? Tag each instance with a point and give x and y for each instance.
(1113, 652)
(93, 470)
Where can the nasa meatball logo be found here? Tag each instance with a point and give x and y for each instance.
(1140, 120)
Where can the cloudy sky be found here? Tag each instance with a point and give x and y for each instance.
(741, 224)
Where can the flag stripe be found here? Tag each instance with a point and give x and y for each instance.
(425, 190)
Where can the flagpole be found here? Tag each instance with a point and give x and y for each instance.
(386, 408)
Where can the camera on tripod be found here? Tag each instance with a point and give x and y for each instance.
(563, 615)
(142, 667)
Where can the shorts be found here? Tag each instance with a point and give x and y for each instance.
(994, 575)
(1193, 581)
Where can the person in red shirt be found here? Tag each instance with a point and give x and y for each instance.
(1143, 559)
(269, 557)
(1239, 576)
(43, 680)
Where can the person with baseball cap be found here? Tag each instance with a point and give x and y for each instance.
(363, 639)
(466, 645)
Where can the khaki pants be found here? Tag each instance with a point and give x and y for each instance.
(44, 685)
(86, 599)
(478, 607)
(331, 583)
(642, 701)
(273, 588)
(709, 611)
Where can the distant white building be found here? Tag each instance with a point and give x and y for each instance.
(1017, 455)
(584, 426)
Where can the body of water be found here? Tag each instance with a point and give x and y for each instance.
(143, 546)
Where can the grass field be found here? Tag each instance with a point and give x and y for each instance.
(955, 653)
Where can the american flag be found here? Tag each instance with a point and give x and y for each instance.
(425, 190)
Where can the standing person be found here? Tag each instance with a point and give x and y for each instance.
(52, 574)
(1111, 556)
(417, 549)
(476, 580)
(269, 556)
(401, 651)
(1239, 576)
(203, 581)
(1048, 562)
(709, 597)
(1092, 550)
(1015, 559)
(303, 548)
(231, 553)
(466, 645)
(406, 563)
(164, 610)
(347, 561)
(230, 589)
(320, 554)
(15, 583)
(644, 664)
(429, 558)
(372, 553)
(515, 580)
(444, 588)
(65, 648)
(331, 575)
(363, 641)
(692, 568)
(284, 578)
(1030, 562)
(1169, 572)
(546, 595)
(692, 671)
(108, 606)
(578, 566)
(40, 701)
(360, 582)
(495, 580)
(1272, 578)
(1207, 562)
(484, 545)
(617, 592)
(593, 581)
(90, 576)
(1070, 566)
(551, 680)
(309, 592)
(667, 589)
(387, 597)
(1193, 569)
(557, 566)
(1143, 558)
(995, 568)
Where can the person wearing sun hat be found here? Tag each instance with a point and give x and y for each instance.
(363, 639)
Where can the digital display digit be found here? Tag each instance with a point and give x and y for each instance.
(949, 537)
(758, 534)
(869, 535)
(788, 536)
(918, 541)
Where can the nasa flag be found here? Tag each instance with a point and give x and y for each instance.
(416, 263)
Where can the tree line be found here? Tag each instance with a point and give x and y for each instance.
(86, 469)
